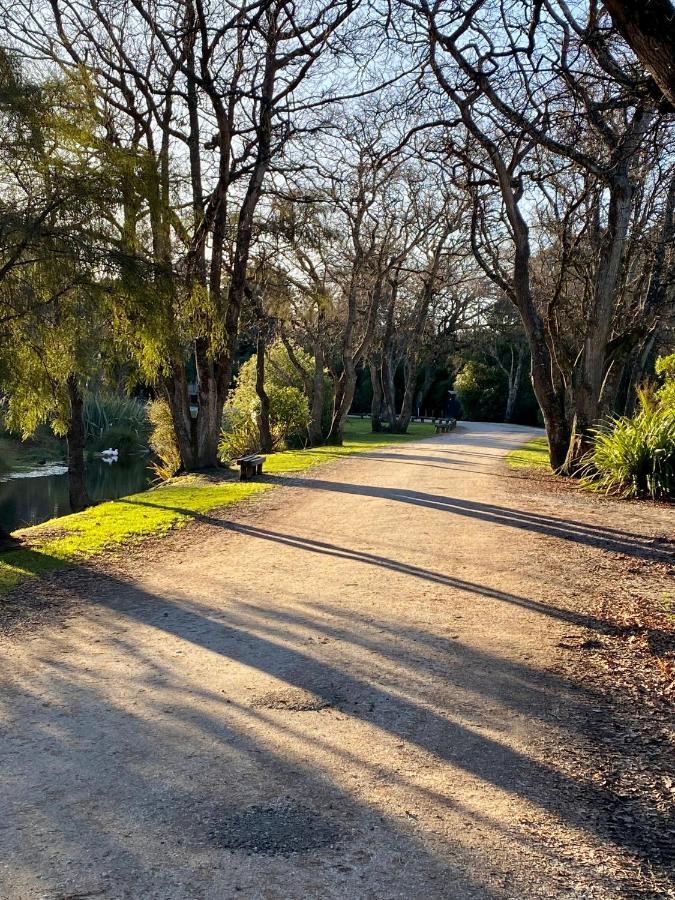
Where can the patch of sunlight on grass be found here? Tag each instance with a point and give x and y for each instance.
(109, 525)
(532, 455)
(357, 437)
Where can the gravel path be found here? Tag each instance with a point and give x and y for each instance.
(349, 690)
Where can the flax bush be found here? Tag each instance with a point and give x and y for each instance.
(635, 457)
(118, 422)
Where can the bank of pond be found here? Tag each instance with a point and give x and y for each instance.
(31, 493)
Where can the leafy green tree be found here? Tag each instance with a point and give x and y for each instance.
(56, 270)
(194, 109)
(482, 391)
(288, 408)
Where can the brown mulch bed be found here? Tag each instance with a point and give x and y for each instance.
(629, 661)
(633, 665)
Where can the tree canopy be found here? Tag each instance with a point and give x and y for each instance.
(392, 191)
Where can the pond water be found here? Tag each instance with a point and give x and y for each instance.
(33, 496)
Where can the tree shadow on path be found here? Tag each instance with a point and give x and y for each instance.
(579, 803)
(589, 534)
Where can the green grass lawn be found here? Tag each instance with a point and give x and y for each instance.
(79, 536)
(532, 455)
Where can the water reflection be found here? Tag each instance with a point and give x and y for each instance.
(28, 501)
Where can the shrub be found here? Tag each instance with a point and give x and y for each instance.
(163, 440)
(665, 371)
(281, 372)
(481, 389)
(118, 422)
(635, 457)
(665, 367)
(289, 415)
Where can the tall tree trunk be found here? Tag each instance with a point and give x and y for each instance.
(208, 425)
(389, 366)
(344, 397)
(409, 381)
(515, 375)
(245, 222)
(589, 379)
(345, 385)
(353, 354)
(313, 385)
(543, 368)
(210, 402)
(411, 353)
(203, 428)
(630, 353)
(77, 490)
(198, 439)
(427, 381)
(649, 27)
(315, 430)
(551, 402)
(264, 414)
(590, 376)
(411, 358)
(547, 387)
(176, 391)
(376, 403)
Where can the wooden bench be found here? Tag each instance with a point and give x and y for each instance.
(443, 426)
(250, 466)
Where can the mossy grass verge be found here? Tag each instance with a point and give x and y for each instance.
(17, 454)
(109, 526)
(532, 455)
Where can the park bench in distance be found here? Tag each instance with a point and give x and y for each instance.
(443, 426)
(250, 466)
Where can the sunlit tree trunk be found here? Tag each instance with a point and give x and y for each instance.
(589, 378)
(77, 490)
(315, 431)
(344, 397)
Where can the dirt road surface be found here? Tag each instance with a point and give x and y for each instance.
(346, 689)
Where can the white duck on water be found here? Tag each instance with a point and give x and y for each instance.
(109, 455)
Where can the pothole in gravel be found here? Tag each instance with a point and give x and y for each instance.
(275, 830)
(295, 700)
